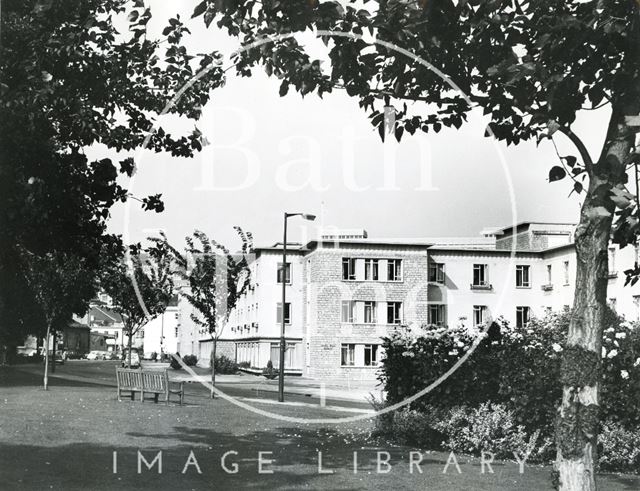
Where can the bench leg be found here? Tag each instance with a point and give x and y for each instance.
(119, 394)
(132, 396)
(142, 396)
(155, 399)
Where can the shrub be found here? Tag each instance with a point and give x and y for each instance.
(518, 367)
(225, 365)
(190, 360)
(489, 428)
(618, 448)
(244, 364)
(270, 372)
(175, 364)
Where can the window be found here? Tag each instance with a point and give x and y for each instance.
(370, 355)
(480, 274)
(394, 312)
(394, 270)
(348, 310)
(549, 274)
(436, 272)
(566, 272)
(287, 273)
(479, 314)
(371, 269)
(287, 313)
(522, 316)
(522, 276)
(348, 357)
(370, 313)
(348, 268)
(436, 315)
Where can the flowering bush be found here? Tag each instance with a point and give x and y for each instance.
(514, 368)
(489, 427)
(618, 448)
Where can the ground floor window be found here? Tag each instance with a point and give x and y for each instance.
(370, 355)
(436, 315)
(360, 355)
(523, 315)
(348, 355)
(479, 314)
(291, 355)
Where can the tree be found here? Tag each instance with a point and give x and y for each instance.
(530, 67)
(215, 280)
(71, 77)
(62, 286)
(140, 287)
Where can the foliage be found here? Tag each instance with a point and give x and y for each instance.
(190, 360)
(244, 364)
(214, 277)
(225, 365)
(74, 74)
(618, 448)
(487, 428)
(516, 367)
(270, 372)
(140, 285)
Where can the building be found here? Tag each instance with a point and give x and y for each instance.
(160, 333)
(345, 294)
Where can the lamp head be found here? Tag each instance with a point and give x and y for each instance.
(309, 217)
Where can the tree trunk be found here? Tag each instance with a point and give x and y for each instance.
(53, 352)
(578, 414)
(213, 364)
(129, 343)
(46, 357)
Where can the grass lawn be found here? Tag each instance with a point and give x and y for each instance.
(66, 438)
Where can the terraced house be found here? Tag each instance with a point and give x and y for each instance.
(345, 291)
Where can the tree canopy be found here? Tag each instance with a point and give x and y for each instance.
(70, 79)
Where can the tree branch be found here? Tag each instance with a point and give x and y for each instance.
(582, 149)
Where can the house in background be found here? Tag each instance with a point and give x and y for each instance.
(160, 334)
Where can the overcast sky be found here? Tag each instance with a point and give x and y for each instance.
(270, 154)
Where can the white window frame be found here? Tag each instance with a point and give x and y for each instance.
(484, 269)
(288, 269)
(397, 315)
(523, 272)
(351, 268)
(350, 359)
(350, 306)
(523, 315)
(395, 266)
(370, 308)
(374, 355)
(479, 314)
(436, 272)
(372, 269)
(439, 310)
(279, 313)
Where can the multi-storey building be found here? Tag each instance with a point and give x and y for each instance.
(344, 294)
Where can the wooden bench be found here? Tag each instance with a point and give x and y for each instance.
(154, 382)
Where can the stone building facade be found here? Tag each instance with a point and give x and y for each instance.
(344, 295)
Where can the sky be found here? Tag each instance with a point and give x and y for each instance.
(270, 154)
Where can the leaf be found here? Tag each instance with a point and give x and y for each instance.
(570, 160)
(200, 9)
(577, 187)
(133, 16)
(284, 88)
(556, 173)
(208, 18)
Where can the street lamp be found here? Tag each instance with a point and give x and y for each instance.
(309, 217)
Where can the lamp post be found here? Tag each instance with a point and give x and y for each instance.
(284, 298)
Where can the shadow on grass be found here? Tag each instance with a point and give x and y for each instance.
(32, 376)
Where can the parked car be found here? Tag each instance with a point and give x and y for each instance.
(135, 358)
(95, 355)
